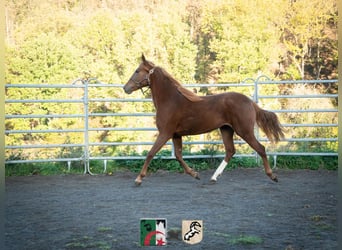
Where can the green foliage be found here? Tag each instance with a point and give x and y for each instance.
(36, 169)
(45, 58)
(307, 162)
(221, 41)
(240, 43)
(97, 166)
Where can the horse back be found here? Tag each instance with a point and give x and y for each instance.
(212, 112)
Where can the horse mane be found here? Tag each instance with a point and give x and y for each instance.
(182, 90)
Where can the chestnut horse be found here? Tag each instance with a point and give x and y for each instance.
(180, 112)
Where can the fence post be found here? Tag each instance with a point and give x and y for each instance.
(86, 127)
(256, 99)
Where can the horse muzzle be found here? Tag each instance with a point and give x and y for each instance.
(128, 88)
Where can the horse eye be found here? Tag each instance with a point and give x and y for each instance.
(137, 71)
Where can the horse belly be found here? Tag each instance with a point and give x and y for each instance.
(194, 125)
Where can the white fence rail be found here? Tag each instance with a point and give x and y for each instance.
(85, 85)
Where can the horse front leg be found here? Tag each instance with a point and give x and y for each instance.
(161, 140)
(177, 143)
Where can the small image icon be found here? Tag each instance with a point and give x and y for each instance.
(192, 231)
(153, 232)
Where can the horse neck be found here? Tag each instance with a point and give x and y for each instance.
(163, 89)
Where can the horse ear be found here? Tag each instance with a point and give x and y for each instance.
(143, 57)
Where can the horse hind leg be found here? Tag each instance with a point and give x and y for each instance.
(177, 143)
(227, 136)
(260, 149)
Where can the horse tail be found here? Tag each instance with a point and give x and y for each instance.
(269, 123)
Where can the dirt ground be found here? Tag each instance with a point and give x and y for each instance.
(244, 210)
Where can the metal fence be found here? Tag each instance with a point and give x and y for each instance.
(252, 85)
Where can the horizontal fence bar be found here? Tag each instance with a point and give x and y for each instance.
(44, 146)
(44, 101)
(120, 100)
(311, 125)
(44, 160)
(123, 114)
(142, 129)
(232, 84)
(77, 130)
(150, 100)
(38, 86)
(44, 131)
(153, 114)
(297, 96)
(310, 82)
(303, 139)
(123, 129)
(303, 110)
(219, 142)
(43, 116)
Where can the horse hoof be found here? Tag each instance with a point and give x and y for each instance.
(275, 178)
(213, 181)
(197, 176)
(137, 182)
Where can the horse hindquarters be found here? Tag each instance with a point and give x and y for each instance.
(245, 113)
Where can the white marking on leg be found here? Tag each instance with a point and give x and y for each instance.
(219, 170)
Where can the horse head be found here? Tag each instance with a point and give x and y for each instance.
(193, 226)
(140, 77)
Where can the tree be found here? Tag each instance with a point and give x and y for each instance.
(43, 59)
(237, 40)
(307, 30)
